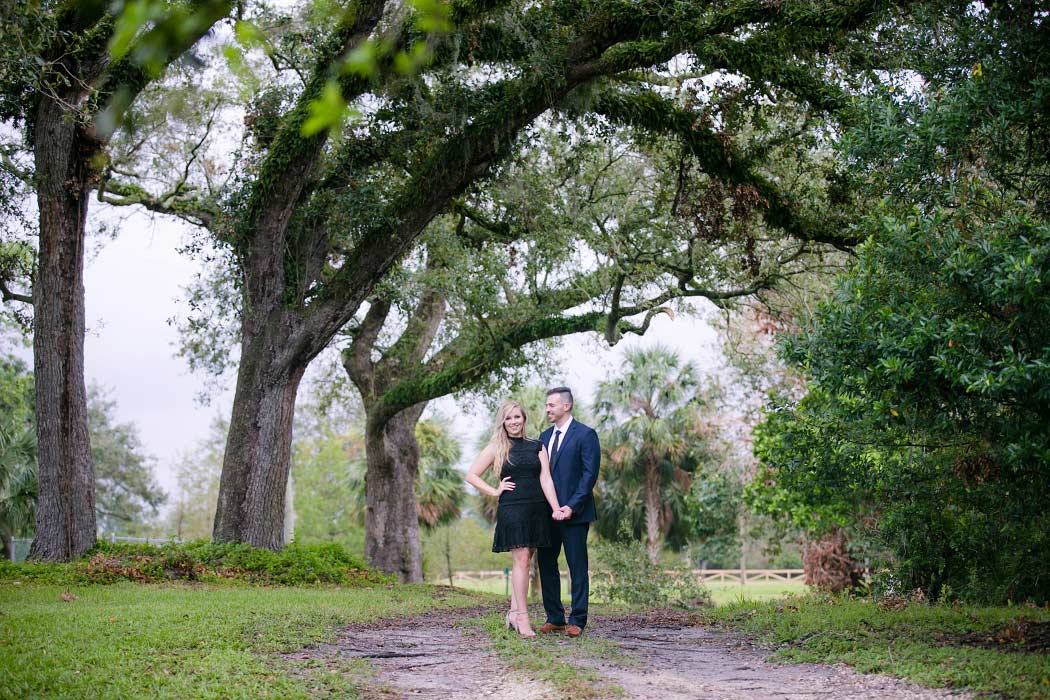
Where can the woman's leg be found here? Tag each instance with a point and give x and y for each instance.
(534, 574)
(519, 582)
(514, 602)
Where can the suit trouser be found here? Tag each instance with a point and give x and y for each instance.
(573, 537)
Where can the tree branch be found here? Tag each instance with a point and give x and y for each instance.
(357, 358)
(647, 110)
(8, 295)
(497, 231)
(176, 203)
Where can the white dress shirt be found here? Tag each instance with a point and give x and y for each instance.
(564, 429)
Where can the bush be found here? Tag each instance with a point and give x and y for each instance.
(927, 404)
(35, 572)
(204, 561)
(632, 579)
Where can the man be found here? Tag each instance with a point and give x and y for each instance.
(574, 458)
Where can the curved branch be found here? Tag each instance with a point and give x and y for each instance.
(177, 203)
(8, 295)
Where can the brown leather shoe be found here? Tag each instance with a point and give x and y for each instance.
(573, 631)
(547, 628)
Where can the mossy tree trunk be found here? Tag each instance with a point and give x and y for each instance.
(65, 513)
(77, 80)
(391, 519)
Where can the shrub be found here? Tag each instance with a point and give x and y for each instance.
(632, 579)
(204, 561)
(36, 572)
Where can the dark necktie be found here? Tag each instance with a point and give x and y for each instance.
(555, 445)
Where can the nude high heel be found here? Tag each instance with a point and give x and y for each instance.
(530, 633)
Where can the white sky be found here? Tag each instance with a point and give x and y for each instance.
(134, 285)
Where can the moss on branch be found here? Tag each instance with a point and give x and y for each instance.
(650, 111)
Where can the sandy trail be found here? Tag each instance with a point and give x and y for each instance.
(661, 657)
(675, 660)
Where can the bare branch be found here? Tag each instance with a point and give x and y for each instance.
(8, 295)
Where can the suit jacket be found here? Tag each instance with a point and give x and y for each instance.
(575, 469)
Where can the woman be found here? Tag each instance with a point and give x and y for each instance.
(526, 501)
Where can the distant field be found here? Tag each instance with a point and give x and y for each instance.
(721, 593)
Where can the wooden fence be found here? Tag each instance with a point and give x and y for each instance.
(740, 576)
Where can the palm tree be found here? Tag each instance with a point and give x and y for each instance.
(17, 483)
(653, 441)
(439, 486)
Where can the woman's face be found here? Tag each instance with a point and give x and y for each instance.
(514, 422)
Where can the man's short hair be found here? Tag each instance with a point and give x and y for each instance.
(564, 390)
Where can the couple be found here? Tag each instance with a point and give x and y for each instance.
(545, 503)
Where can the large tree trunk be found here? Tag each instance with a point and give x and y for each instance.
(391, 520)
(65, 512)
(652, 510)
(252, 489)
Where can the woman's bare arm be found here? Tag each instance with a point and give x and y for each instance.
(483, 462)
(546, 482)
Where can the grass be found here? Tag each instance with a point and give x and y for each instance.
(553, 659)
(726, 593)
(188, 641)
(920, 642)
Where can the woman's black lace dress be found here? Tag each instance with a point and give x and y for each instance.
(524, 516)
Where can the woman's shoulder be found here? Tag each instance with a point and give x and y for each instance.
(533, 443)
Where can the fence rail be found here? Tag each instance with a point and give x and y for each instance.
(740, 576)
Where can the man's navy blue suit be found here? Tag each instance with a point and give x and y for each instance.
(574, 470)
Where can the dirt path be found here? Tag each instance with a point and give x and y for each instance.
(674, 660)
(661, 657)
(433, 656)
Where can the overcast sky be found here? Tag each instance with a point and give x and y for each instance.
(134, 286)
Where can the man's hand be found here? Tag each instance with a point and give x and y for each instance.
(563, 513)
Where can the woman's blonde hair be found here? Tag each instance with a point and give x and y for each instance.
(500, 440)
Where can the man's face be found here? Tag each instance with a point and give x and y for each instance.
(557, 407)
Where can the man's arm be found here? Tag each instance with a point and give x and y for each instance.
(591, 456)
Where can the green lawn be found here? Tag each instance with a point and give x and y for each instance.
(181, 641)
(226, 641)
(726, 593)
(935, 645)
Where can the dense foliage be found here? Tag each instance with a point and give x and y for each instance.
(127, 495)
(924, 427)
(17, 452)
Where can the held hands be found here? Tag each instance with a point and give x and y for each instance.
(562, 513)
(504, 485)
